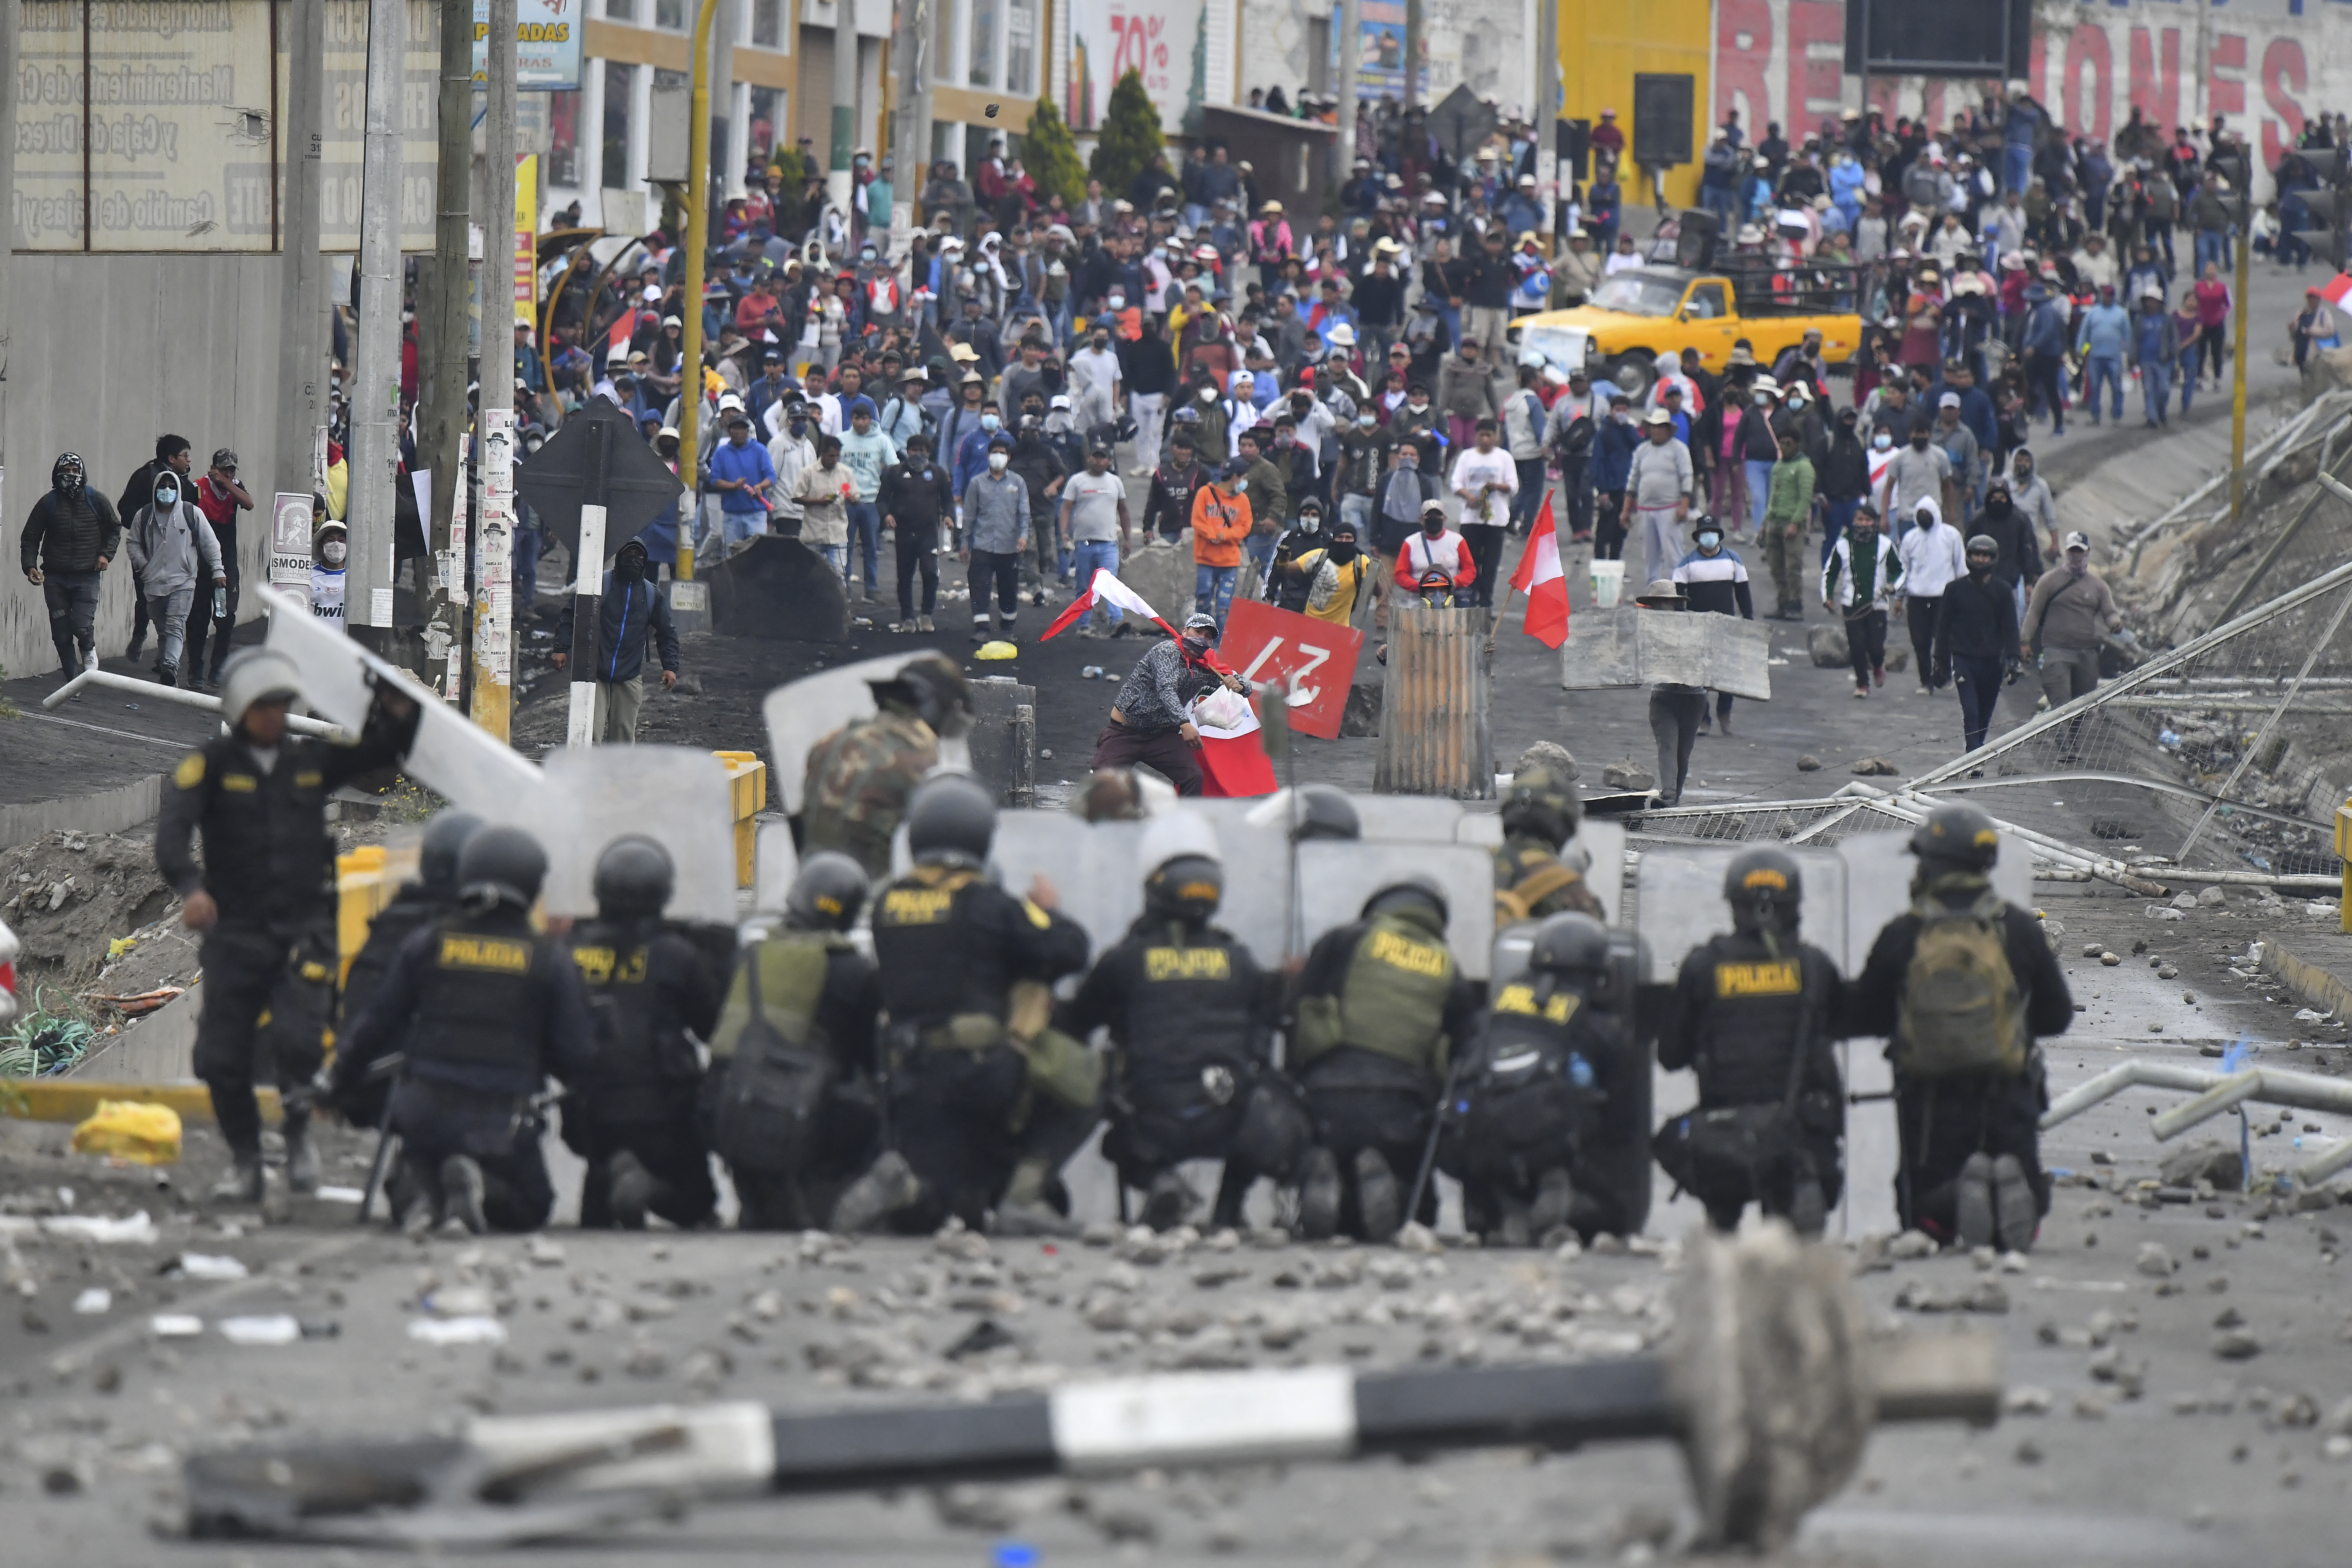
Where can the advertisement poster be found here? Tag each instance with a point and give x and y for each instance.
(1380, 57)
(289, 542)
(1165, 40)
(547, 43)
(526, 240)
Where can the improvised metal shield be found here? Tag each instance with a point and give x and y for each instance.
(805, 711)
(1630, 647)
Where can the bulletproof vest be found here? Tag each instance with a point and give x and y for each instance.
(1190, 998)
(1393, 999)
(1530, 882)
(936, 962)
(641, 1044)
(268, 859)
(481, 995)
(1753, 998)
(1529, 1015)
(858, 781)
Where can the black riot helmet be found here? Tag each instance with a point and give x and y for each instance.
(932, 685)
(1325, 812)
(635, 876)
(1572, 945)
(502, 864)
(952, 817)
(1187, 887)
(828, 894)
(1763, 886)
(1957, 838)
(444, 840)
(1542, 802)
(1413, 892)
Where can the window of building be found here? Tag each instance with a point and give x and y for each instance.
(621, 10)
(768, 111)
(1020, 48)
(670, 14)
(767, 23)
(944, 38)
(563, 138)
(985, 18)
(618, 79)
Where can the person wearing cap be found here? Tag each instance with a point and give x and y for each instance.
(867, 454)
(1576, 271)
(1952, 436)
(1658, 492)
(1095, 520)
(2066, 621)
(919, 511)
(1977, 644)
(766, 390)
(1221, 523)
(1787, 513)
(997, 527)
(2155, 345)
(1487, 281)
(1149, 718)
(220, 498)
(1436, 561)
(255, 797)
(1378, 300)
(1919, 470)
(2315, 329)
(329, 562)
(902, 416)
(2102, 339)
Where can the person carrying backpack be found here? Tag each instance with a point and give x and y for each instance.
(1962, 986)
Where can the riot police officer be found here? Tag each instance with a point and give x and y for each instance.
(1753, 1013)
(489, 1008)
(1190, 1015)
(860, 776)
(987, 1098)
(1530, 1091)
(416, 905)
(792, 1099)
(1963, 986)
(1377, 1006)
(1531, 879)
(264, 898)
(653, 995)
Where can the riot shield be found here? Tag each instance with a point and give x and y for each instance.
(775, 865)
(1680, 894)
(1092, 867)
(808, 711)
(452, 754)
(1336, 877)
(594, 795)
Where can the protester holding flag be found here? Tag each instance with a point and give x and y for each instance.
(1149, 721)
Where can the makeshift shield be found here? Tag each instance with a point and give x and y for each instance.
(803, 713)
(1632, 646)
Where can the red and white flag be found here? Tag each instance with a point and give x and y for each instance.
(2338, 290)
(1107, 589)
(1539, 577)
(1232, 755)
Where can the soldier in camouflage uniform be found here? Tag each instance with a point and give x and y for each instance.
(1531, 882)
(860, 776)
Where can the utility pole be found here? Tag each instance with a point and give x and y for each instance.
(375, 372)
(493, 640)
(1414, 27)
(441, 392)
(303, 336)
(1343, 80)
(9, 17)
(910, 133)
(840, 183)
(1546, 116)
(698, 248)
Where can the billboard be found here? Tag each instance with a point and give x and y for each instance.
(1165, 40)
(547, 43)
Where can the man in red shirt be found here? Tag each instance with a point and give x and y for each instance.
(1606, 138)
(1437, 555)
(220, 498)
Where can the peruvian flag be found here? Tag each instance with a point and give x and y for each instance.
(2337, 289)
(1233, 759)
(1110, 590)
(1538, 577)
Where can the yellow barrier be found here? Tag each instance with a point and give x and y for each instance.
(747, 783)
(77, 1100)
(2344, 853)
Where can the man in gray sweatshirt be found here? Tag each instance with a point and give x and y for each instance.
(174, 552)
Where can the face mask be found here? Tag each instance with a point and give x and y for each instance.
(1919, 441)
(1882, 441)
(988, 421)
(166, 496)
(797, 426)
(1343, 550)
(1998, 506)
(1363, 421)
(332, 554)
(1208, 395)
(1980, 567)
(1115, 302)
(1196, 646)
(1282, 437)
(1710, 541)
(996, 461)
(1420, 405)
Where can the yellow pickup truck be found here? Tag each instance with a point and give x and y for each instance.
(1645, 311)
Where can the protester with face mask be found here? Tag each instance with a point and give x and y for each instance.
(1614, 446)
(1714, 581)
(1920, 472)
(1221, 522)
(175, 557)
(1148, 721)
(330, 552)
(72, 533)
(633, 615)
(2066, 620)
(1095, 385)
(173, 455)
(1844, 480)
(1436, 562)
(2033, 495)
(1405, 489)
(793, 454)
(2019, 564)
(996, 522)
(1932, 558)
(1860, 581)
(1976, 642)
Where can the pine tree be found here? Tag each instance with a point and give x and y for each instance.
(1051, 156)
(1130, 136)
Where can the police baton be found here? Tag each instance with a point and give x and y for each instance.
(1436, 1127)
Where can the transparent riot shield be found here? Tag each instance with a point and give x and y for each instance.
(594, 795)
(805, 711)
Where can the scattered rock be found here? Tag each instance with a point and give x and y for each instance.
(1809, 764)
(2236, 1344)
(1549, 754)
(2093, 950)
(1627, 774)
(2207, 1160)
(2154, 1261)
(2212, 897)
(1874, 767)
(1910, 1245)
(1418, 1237)
(1825, 644)
(2027, 1399)
(2168, 973)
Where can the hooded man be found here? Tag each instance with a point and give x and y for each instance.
(633, 615)
(174, 556)
(72, 533)
(1932, 557)
(330, 572)
(1976, 638)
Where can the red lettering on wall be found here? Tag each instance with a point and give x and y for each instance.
(1815, 86)
(2282, 73)
(2157, 93)
(2086, 91)
(2227, 95)
(1739, 80)
(2037, 70)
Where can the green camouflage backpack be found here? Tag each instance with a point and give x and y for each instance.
(1961, 1011)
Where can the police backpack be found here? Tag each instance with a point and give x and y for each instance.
(763, 1109)
(1960, 1011)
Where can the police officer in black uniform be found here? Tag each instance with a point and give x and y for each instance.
(1969, 1083)
(264, 900)
(1754, 1013)
(1379, 1006)
(987, 1098)
(1530, 1091)
(489, 1008)
(653, 994)
(416, 905)
(1191, 1016)
(794, 1095)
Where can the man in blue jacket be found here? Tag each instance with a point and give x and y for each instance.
(1613, 466)
(2103, 341)
(2045, 355)
(632, 613)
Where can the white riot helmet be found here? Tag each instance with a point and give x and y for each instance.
(256, 675)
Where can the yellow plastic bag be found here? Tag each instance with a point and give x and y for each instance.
(130, 1129)
(995, 650)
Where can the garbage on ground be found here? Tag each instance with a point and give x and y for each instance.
(208, 1267)
(447, 1331)
(136, 1005)
(176, 1325)
(269, 1329)
(339, 1194)
(134, 1229)
(136, 1131)
(94, 1302)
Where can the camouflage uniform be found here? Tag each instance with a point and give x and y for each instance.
(858, 781)
(1525, 865)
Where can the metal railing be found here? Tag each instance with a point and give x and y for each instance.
(158, 691)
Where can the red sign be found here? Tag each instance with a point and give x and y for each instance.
(1265, 644)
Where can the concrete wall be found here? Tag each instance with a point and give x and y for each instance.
(109, 352)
